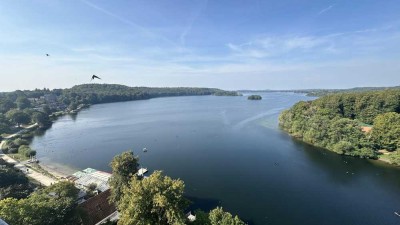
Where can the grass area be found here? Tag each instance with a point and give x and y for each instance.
(39, 169)
(384, 158)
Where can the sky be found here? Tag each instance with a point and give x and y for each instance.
(228, 44)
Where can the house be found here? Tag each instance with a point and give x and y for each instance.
(50, 98)
(83, 179)
(97, 208)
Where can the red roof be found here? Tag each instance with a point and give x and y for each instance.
(97, 208)
(366, 129)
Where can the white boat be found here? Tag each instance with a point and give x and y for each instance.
(142, 171)
(397, 214)
(144, 149)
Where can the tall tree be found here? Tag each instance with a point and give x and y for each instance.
(156, 200)
(41, 118)
(219, 217)
(386, 131)
(6, 105)
(124, 166)
(23, 102)
(18, 117)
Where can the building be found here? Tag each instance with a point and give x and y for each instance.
(97, 209)
(83, 179)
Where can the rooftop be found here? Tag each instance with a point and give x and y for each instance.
(97, 208)
(90, 176)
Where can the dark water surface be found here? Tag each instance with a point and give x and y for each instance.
(230, 152)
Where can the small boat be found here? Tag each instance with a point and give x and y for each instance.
(142, 171)
(397, 214)
(144, 149)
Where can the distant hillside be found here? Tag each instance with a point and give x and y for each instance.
(111, 92)
(322, 92)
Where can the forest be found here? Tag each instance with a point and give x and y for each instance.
(338, 123)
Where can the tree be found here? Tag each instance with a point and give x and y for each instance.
(202, 218)
(6, 105)
(124, 166)
(41, 119)
(386, 131)
(219, 217)
(395, 158)
(18, 117)
(156, 200)
(54, 205)
(25, 150)
(13, 182)
(254, 97)
(23, 102)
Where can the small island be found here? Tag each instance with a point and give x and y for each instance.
(254, 97)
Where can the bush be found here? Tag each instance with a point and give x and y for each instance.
(26, 151)
(20, 141)
(395, 157)
(12, 150)
(343, 147)
(28, 135)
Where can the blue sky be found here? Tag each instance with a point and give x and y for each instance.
(226, 44)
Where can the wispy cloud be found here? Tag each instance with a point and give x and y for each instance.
(187, 30)
(325, 9)
(271, 46)
(141, 29)
(347, 44)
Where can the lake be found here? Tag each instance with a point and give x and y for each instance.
(230, 152)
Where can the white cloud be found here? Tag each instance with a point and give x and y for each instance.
(325, 9)
(345, 44)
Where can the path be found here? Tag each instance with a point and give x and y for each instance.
(21, 131)
(39, 177)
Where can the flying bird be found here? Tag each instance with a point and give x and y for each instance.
(47, 55)
(95, 77)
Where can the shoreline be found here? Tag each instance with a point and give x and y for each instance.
(378, 159)
(58, 171)
(28, 169)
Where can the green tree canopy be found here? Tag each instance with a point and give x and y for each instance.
(54, 205)
(219, 217)
(41, 118)
(6, 104)
(386, 131)
(18, 117)
(124, 166)
(13, 182)
(156, 200)
(335, 122)
(22, 102)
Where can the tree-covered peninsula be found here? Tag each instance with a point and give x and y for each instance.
(365, 124)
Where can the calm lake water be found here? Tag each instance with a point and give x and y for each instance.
(230, 152)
